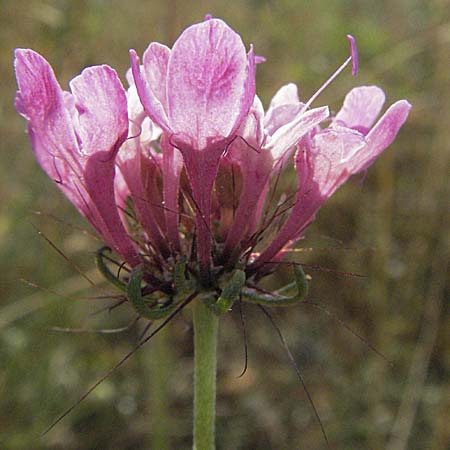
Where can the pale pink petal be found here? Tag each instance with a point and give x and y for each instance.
(152, 106)
(39, 95)
(155, 62)
(135, 109)
(287, 136)
(207, 79)
(362, 105)
(286, 95)
(283, 108)
(102, 108)
(252, 128)
(86, 181)
(249, 94)
(102, 127)
(382, 134)
(129, 77)
(41, 101)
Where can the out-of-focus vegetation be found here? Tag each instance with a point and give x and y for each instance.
(392, 228)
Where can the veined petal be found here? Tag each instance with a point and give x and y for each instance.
(39, 95)
(283, 108)
(286, 95)
(249, 94)
(40, 100)
(101, 103)
(152, 106)
(155, 62)
(361, 108)
(323, 165)
(135, 108)
(252, 128)
(382, 134)
(207, 79)
(326, 164)
(86, 180)
(288, 135)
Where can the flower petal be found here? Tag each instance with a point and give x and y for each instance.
(249, 94)
(99, 181)
(283, 108)
(286, 95)
(252, 128)
(382, 134)
(289, 134)
(152, 105)
(207, 79)
(155, 62)
(40, 100)
(101, 103)
(361, 108)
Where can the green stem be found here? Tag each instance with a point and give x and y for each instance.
(206, 325)
(159, 384)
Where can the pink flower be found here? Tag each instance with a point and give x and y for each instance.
(181, 169)
(266, 142)
(198, 93)
(327, 157)
(76, 136)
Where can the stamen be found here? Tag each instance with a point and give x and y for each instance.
(352, 58)
(353, 54)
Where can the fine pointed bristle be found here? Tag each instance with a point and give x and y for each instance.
(353, 54)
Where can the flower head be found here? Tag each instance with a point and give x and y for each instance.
(177, 174)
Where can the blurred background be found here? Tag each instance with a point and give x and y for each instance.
(393, 229)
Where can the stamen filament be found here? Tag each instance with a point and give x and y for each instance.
(352, 58)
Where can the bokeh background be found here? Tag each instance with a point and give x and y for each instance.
(393, 228)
